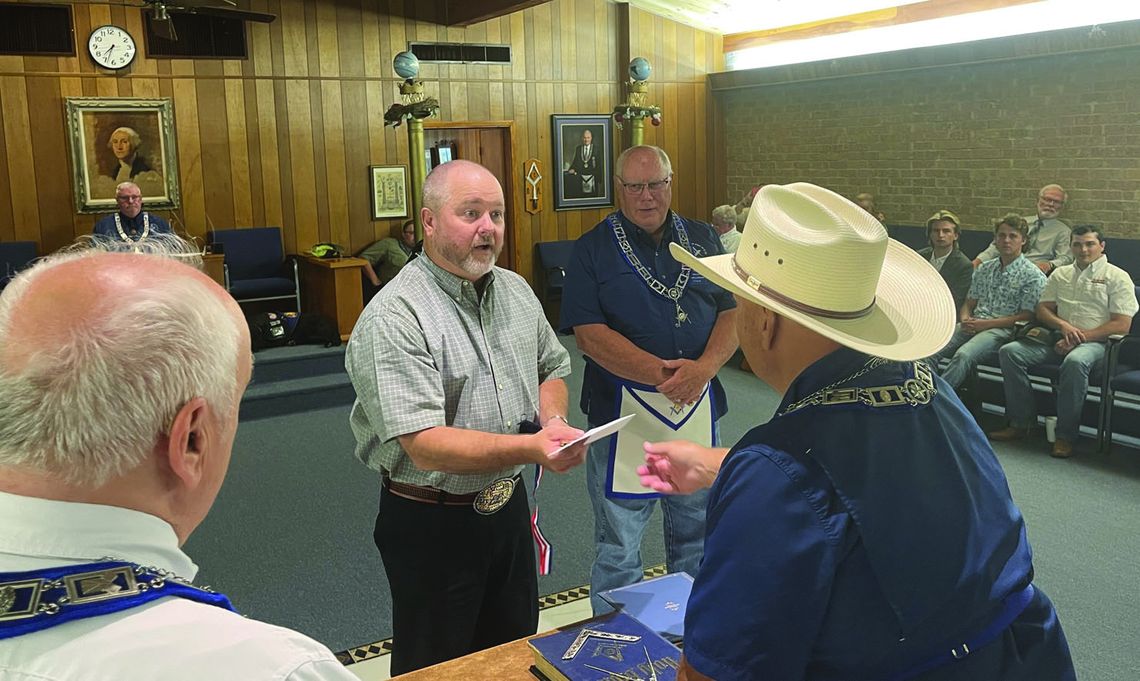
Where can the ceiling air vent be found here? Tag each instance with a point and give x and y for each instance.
(199, 36)
(463, 53)
(36, 30)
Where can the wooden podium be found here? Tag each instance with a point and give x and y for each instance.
(332, 287)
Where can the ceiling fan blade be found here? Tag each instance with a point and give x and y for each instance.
(163, 27)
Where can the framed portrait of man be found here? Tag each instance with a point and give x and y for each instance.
(583, 159)
(122, 139)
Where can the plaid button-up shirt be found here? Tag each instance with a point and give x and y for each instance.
(429, 351)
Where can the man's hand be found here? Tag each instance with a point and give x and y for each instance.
(971, 325)
(1071, 334)
(688, 380)
(976, 262)
(557, 433)
(679, 466)
(1045, 266)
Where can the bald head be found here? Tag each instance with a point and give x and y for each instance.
(464, 218)
(99, 351)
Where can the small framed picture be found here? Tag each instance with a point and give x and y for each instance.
(583, 158)
(122, 139)
(389, 191)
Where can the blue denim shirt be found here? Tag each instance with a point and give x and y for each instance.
(1004, 291)
(601, 288)
(857, 540)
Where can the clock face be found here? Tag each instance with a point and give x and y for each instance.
(111, 47)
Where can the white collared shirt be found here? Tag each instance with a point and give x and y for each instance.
(938, 262)
(173, 639)
(1088, 298)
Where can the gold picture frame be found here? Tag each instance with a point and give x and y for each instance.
(389, 191)
(116, 139)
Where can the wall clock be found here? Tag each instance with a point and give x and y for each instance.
(111, 47)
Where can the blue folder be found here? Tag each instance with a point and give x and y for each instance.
(658, 603)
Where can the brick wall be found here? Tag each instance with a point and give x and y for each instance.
(979, 139)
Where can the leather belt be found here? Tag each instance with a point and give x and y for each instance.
(431, 495)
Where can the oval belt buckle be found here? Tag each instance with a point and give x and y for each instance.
(494, 496)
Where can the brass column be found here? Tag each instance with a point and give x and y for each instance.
(413, 107)
(637, 108)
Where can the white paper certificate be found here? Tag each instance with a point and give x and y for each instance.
(594, 434)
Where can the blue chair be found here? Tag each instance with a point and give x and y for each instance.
(553, 256)
(255, 266)
(15, 256)
(1124, 372)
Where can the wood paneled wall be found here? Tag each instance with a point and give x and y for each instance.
(285, 137)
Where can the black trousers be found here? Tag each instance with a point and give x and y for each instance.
(460, 581)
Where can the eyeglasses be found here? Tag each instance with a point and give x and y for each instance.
(636, 188)
(128, 199)
(1051, 201)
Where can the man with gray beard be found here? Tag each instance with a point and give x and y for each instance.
(452, 361)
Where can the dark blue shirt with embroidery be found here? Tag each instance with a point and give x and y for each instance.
(861, 538)
(601, 288)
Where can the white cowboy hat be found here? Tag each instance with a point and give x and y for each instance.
(812, 256)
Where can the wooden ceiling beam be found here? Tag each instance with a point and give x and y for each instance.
(467, 12)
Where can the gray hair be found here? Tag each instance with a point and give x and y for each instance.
(724, 215)
(1064, 194)
(131, 135)
(662, 158)
(93, 406)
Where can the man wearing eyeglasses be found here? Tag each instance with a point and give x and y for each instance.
(654, 334)
(1048, 243)
(131, 223)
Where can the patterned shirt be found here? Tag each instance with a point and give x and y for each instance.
(428, 351)
(1088, 298)
(1004, 291)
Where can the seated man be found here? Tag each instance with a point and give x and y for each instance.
(724, 223)
(1047, 244)
(121, 375)
(1085, 303)
(1004, 291)
(131, 223)
(386, 256)
(942, 231)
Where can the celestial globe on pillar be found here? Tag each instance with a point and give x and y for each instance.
(407, 65)
(639, 68)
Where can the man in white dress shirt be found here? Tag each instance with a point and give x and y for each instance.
(1082, 305)
(121, 375)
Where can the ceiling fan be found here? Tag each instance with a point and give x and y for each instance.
(160, 13)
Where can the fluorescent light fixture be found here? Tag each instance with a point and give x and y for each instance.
(1048, 15)
(759, 16)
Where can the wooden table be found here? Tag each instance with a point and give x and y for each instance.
(506, 662)
(212, 265)
(332, 287)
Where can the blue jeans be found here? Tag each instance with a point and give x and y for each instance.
(619, 525)
(966, 352)
(1020, 407)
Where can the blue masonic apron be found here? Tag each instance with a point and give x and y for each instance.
(40, 599)
(936, 572)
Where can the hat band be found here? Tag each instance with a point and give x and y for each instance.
(754, 284)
